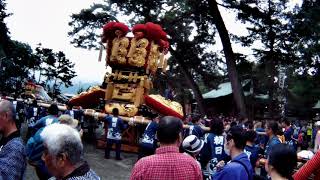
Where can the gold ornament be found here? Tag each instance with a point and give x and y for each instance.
(153, 57)
(128, 110)
(139, 54)
(119, 50)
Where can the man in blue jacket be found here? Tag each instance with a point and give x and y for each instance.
(213, 149)
(239, 168)
(272, 128)
(251, 149)
(288, 133)
(35, 148)
(74, 113)
(148, 143)
(195, 128)
(32, 115)
(53, 111)
(115, 128)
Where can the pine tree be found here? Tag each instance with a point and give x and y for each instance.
(188, 23)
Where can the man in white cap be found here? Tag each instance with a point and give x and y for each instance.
(192, 146)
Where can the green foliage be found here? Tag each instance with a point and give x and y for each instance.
(304, 92)
(244, 67)
(18, 63)
(187, 23)
(282, 37)
(267, 24)
(288, 37)
(15, 57)
(56, 68)
(16, 66)
(4, 32)
(86, 23)
(270, 38)
(277, 35)
(306, 36)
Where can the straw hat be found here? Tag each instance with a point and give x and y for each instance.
(66, 119)
(192, 144)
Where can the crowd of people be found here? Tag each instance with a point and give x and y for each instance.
(231, 149)
(54, 146)
(236, 149)
(169, 148)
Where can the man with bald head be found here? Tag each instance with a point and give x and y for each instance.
(167, 163)
(12, 151)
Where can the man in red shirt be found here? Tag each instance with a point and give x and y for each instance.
(167, 163)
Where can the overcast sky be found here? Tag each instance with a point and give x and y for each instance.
(46, 22)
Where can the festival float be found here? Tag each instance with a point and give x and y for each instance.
(35, 91)
(134, 62)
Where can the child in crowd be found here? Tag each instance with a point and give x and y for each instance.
(192, 146)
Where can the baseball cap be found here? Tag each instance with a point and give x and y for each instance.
(192, 144)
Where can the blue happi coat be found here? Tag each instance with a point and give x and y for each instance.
(212, 152)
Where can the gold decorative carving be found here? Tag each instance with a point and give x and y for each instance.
(153, 57)
(171, 104)
(119, 50)
(124, 92)
(128, 110)
(137, 57)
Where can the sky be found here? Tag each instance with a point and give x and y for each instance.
(46, 22)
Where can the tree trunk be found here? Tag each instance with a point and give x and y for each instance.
(54, 87)
(270, 65)
(230, 58)
(195, 88)
(192, 84)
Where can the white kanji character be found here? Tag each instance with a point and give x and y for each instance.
(218, 140)
(211, 165)
(218, 150)
(248, 153)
